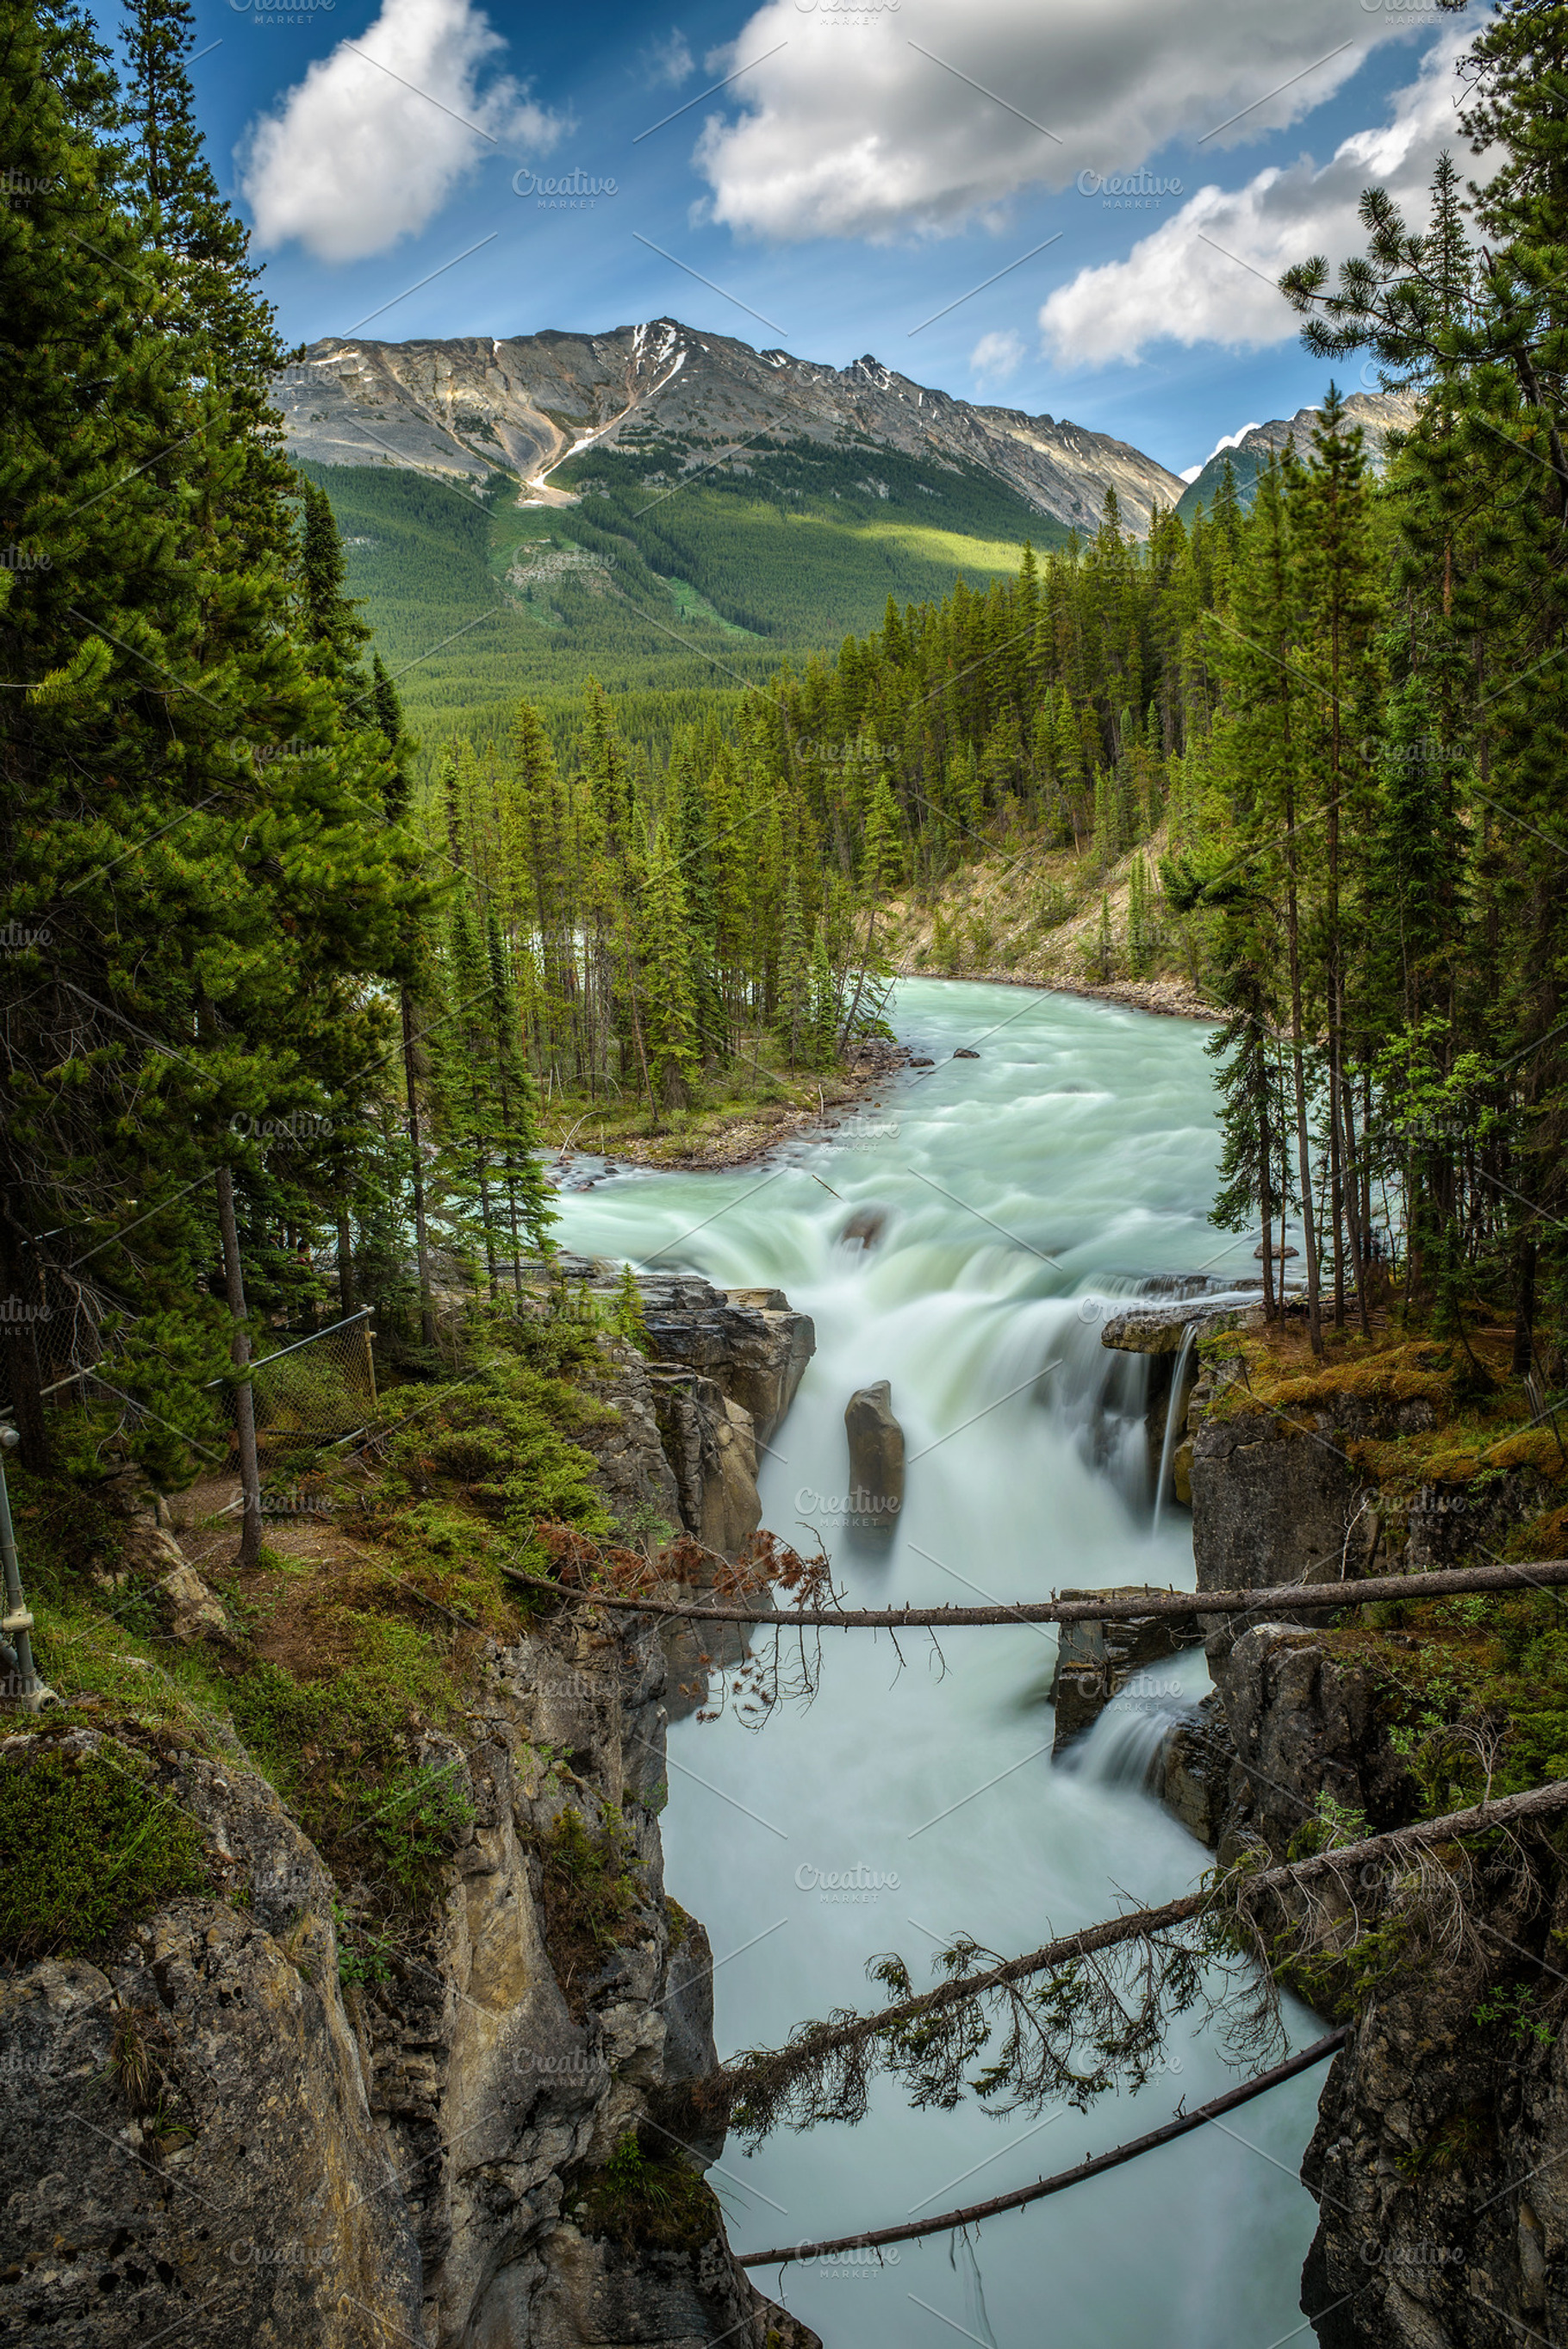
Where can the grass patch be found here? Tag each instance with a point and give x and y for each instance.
(589, 1895)
(1465, 1686)
(344, 1651)
(644, 2203)
(89, 1851)
(333, 1729)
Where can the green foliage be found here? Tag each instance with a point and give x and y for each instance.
(195, 853)
(590, 1897)
(1332, 1822)
(649, 2202)
(362, 1956)
(749, 568)
(413, 1827)
(1458, 2143)
(91, 1850)
(630, 1320)
(497, 1445)
(332, 1732)
(1510, 2008)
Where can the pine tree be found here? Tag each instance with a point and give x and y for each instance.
(208, 301)
(631, 1321)
(216, 908)
(663, 958)
(1340, 614)
(824, 1003)
(330, 624)
(530, 1213)
(795, 1009)
(883, 851)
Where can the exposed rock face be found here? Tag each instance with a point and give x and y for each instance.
(1160, 1329)
(1377, 413)
(685, 1452)
(1303, 1721)
(1270, 1503)
(149, 1557)
(876, 1459)
(635, 1476)
(272, 2209)
(465, 407)
(1439, 2160)
(1441, 2156)
(709, 1443)
(398, 2152)
(747, 1341)
(1192, 1774)
(401, 2159)
(1454, 1526)
(599, 2295)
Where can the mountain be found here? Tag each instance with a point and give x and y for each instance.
(527, 404)
(511, 522)
(1377, 412)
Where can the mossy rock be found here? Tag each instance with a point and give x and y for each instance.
(647, 2202)
(91, 1850)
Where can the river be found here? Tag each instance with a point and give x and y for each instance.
(1023, 1190)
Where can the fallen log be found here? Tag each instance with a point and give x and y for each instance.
(1180, 2125)
(763, 2075)
(1452, 1583)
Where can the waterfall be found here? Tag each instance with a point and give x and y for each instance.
(1124, 1745)
(1172, 1411)
(1018, 1200)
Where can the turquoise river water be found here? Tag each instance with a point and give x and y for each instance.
(1022, 1191)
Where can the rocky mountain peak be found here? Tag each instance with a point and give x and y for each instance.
(466, 407)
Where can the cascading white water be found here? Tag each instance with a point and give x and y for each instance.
(1173, 1419)
(1024, 1193)
(1123, 1745)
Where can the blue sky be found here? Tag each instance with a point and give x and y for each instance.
(862, 172)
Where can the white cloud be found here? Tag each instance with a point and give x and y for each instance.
(1226, 440)
(1189, 473)
(1210, 274)
(851, 130)
(361, 153)
(669, 60)
(996, 357)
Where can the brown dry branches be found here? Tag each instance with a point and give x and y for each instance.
(589, 1573)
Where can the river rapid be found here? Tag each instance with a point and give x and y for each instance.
(1025, 1192)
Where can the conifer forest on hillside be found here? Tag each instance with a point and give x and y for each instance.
(311, 990)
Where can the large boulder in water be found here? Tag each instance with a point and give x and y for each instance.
(876, 1458)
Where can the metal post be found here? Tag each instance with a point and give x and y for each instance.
(17, 1624)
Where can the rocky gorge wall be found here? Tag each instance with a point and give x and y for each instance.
(252, 2120)
(1440, 2162)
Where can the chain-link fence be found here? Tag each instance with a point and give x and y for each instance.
(309, 1391)
(313, 1391)
(55, 1320)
